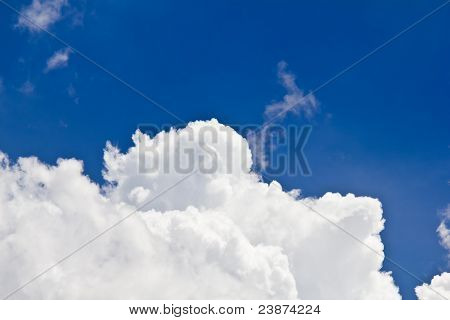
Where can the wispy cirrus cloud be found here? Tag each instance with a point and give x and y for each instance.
(72, 93)
(295, 101)
(58, 60)
(27, 88)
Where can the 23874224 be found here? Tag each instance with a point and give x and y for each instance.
(287, 308)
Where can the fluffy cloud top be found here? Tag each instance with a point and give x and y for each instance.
(58, 60)
(440, 284)
(42, 13)
(223, 234)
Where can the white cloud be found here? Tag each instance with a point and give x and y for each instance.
(72, 93)
(443, 231)
(444, 235)
(58, 60)
(43, 13)
(27, 88)
(224, 234)
(294, 101)
(440, 284)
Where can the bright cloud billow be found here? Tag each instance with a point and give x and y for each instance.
(219, 233)
(58, 60)
(41, 13)
(440, 284)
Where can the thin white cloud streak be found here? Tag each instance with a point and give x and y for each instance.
(295, 101)
(221, 235)
(43, 13)
(72, 93)
(58, 60)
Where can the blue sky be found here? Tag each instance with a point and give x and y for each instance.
(382, 129)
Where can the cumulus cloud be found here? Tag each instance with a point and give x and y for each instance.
(41, 13)
(223, 234)
(58, 60)
(440, 284)
(439, 287)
